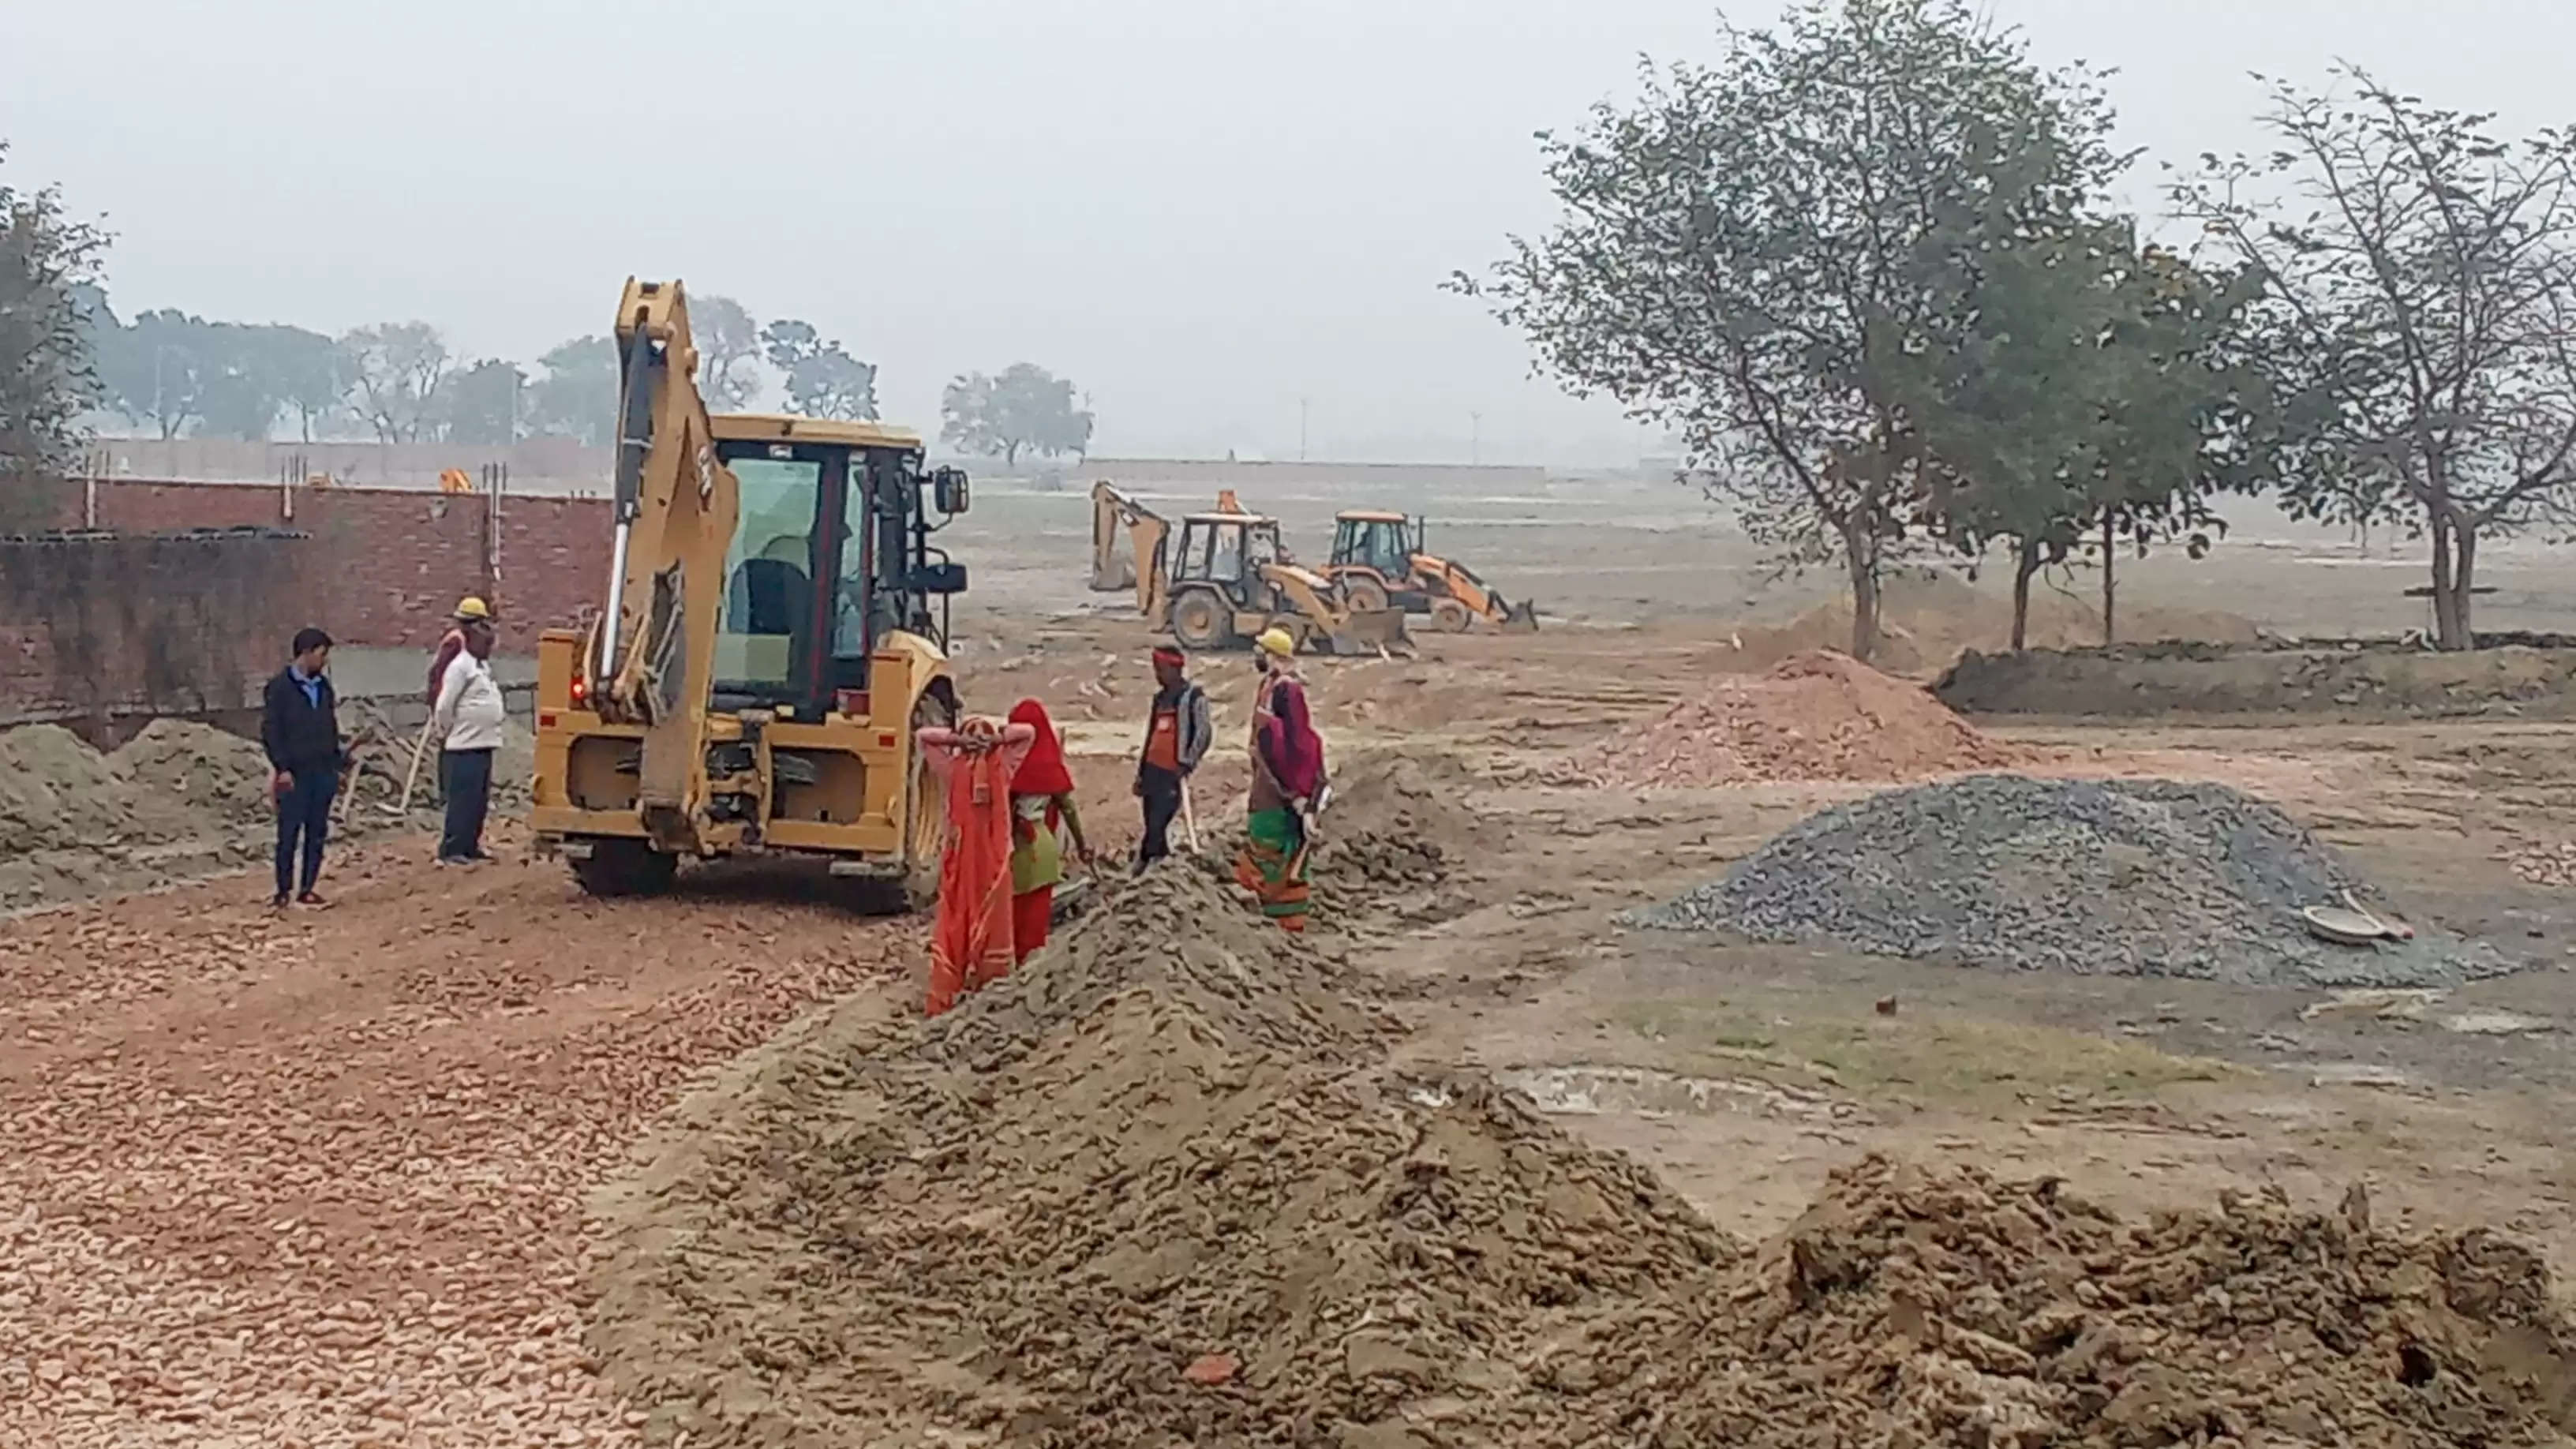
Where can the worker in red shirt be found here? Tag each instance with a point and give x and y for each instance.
(469, 611)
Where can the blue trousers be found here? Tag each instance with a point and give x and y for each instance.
(304, 817)
(466, 776)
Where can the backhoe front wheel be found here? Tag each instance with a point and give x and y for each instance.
(1450, 616)
(1199, 621)
(625, 868)
(1363, 595)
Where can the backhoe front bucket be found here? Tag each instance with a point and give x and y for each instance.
(1366, 631)
(1520, 618)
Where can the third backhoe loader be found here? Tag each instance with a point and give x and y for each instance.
(1222, 578)
(1380, 562)
(768, 644)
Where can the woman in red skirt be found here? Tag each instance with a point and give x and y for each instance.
(1041, 803)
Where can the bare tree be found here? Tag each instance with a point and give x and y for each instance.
(2420, 314)
(395, 370)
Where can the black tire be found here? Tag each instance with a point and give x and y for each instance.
(1363, 594)
(618, 868)
(1200, 620)
(1451, 617)
(925, 815)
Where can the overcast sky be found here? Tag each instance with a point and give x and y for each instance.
(1200, 210)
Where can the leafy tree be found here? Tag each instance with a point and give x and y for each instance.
(2090, 394)
(1739, 253)
(48, 263)
(239, 390)
(309, 373)
(577, 397)
(822, 379)
(396, 369)
(1026, 407)
(728, 351)
(481, 404)
(2420, 313)
(157, 369)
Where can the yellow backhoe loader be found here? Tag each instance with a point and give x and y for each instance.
(1380, 562)
(768, 645)
(1223, 578)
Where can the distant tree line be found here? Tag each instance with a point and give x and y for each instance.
(1867, 269)
(66, 356)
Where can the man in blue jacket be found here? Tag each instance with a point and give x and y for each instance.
(300, 726)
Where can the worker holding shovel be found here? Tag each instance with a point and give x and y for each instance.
(1177, 735)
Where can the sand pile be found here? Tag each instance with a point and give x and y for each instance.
(1028, 1222)
(2111, 877)
(2544, 863)
(1914, 1307)
(56, 793)
(218, 774)
(1818, 716)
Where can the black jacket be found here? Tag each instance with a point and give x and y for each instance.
(299, 735)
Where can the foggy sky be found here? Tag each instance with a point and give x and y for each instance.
(1200, 210)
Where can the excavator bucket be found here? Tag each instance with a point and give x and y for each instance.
(1520, 618)
(1368, 631)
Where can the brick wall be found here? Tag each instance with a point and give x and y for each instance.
(97, 625)
(387, 565)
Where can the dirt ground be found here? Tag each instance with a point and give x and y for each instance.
(321, 1179)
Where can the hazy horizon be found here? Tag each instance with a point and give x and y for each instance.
(1200, 213)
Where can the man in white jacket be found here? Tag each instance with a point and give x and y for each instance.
(467, 720)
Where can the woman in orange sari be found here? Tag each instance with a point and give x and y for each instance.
(970, 938)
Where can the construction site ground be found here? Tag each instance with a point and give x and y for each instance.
(321, 1178)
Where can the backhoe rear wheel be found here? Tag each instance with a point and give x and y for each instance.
(625, 868)
(1200, 621)
(1363, 595)
(1451, 617)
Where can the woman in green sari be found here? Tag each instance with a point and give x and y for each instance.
(1287, 774)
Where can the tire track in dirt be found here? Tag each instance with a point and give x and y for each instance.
(319, 1180)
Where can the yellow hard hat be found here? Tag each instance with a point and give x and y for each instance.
(1275, 640)
(471, 607)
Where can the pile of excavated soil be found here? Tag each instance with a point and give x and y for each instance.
(56, 793)
(1396, 820)
(1818, 716)
(2107, 877)
(1170, 1140)
(1160, 1188)
(1916, 1307)
(221, 776)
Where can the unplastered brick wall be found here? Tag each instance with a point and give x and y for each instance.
(98, 625)
(388, 565)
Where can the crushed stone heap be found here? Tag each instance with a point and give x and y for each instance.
(2112, 877)
(1816, 716)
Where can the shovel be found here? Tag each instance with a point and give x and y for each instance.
(1189, 819)
(419, 747)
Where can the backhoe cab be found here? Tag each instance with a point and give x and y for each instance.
(776, 628)
(1379, 561)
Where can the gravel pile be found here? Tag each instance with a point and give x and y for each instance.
(2117, 877)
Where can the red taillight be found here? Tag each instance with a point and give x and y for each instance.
(580, 690)
(851, 702)
(545, 721)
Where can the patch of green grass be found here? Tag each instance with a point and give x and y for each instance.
(1953, 1060)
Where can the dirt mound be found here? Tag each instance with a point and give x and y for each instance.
(1917, 1307)
(1817, 716)
(1027, 1221)
(218, 774)
(1398, 821)
(56, 793)
(2112, 877)
(1928, 617)
(2539, 863)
